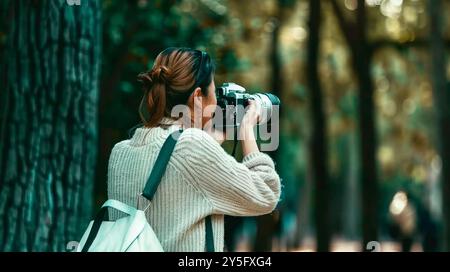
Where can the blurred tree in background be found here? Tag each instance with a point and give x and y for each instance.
(318, 150)
(357, 39)
(442, 101)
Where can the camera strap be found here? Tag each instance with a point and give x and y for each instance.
(157, 173)
(235, 139)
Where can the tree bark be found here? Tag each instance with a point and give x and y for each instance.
(49, 148)
(441, 95)
(318, 142)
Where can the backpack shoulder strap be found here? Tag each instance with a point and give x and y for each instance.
(160, 165)
(157, 173)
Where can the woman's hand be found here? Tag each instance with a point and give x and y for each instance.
(251, 117)
(246, 133)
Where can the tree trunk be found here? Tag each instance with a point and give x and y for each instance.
(356, 37)
(442, 102)
(49, 140)
(362, 59)
(318, 147)
(267, 224)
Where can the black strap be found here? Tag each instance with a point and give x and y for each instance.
(235, 138)
(160, 165)
(209, 235)
(157, 173)
(95, 228)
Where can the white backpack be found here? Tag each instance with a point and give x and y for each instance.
(133, 232)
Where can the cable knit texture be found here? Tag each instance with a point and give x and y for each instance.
(201, 179)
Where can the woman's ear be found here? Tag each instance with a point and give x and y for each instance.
(197, 107)
(197, 92)
(197, 96)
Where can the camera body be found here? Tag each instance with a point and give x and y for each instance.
(232, 99)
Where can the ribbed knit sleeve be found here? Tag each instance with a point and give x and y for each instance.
(249, 188)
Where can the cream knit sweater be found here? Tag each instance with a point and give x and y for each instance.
(201, 179)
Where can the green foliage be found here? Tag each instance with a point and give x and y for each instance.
(134, 33)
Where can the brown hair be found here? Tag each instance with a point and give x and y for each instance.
(176, 73)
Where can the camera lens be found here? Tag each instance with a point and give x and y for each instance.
(266, 101)
(274, 99)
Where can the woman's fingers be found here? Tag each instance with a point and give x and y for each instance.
(252, 115)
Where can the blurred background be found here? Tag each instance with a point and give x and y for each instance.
(364, 150)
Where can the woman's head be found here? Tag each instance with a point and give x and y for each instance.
(180, 76)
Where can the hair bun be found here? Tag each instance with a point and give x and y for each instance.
(145, 79)
(160, 74)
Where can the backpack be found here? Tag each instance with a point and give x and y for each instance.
(133, 233)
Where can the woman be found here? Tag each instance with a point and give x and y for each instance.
(201, 179)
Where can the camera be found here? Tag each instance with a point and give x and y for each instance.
(232, 100)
